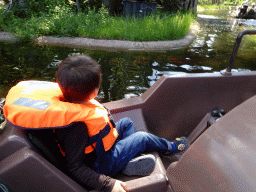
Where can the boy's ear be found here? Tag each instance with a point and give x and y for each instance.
(93, 94)
(96, 91)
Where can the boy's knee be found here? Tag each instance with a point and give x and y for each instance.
(127, 121)
(142, 135)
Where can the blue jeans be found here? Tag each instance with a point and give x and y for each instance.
(129, 144)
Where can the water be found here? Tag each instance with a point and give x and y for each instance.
(129, 74)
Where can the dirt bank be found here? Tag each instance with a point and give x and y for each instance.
(112, 45)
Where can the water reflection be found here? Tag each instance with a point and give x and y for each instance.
(129, 74)
(250, 22)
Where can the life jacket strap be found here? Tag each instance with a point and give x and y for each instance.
(100, 150)
(110, 117)
(104, 132)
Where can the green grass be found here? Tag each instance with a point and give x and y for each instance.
(64, 22)
(147, 29)
(212, 7)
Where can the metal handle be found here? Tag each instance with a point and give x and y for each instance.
(235, 49)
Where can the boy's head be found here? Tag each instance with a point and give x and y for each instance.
(78, 77)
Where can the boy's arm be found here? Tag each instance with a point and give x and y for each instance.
(73, 141)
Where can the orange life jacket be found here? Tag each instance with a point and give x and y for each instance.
(39, 105)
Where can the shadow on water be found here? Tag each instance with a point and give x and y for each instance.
(128, 74)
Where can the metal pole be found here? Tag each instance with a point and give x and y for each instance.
(235, 49)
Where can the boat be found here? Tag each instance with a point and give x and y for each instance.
(215, 111)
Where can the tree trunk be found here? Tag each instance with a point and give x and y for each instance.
(189, 5)
(195, 6)
(78, 6)
(186, 4)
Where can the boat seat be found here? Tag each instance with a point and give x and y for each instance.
(156, 180)
(26, 170)
(32, 171)
(25, 153)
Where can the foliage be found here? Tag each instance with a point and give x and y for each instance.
(64, 21)
(30, 8)
(84, 5)
(171, 6)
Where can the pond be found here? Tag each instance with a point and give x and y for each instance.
(129, 74)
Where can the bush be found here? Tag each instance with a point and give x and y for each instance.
(2, 16)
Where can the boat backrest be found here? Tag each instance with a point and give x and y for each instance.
(44, 141)
(175, 105)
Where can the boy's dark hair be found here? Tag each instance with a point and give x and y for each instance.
(77, 77)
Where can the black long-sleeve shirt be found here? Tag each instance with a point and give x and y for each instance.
(73, 141)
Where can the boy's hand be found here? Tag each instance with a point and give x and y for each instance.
(119, 187)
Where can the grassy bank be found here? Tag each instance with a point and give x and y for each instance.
(64, 22)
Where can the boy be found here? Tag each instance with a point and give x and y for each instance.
(92, 144)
